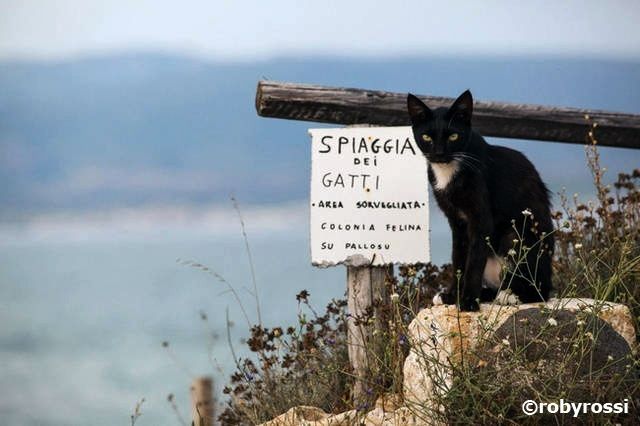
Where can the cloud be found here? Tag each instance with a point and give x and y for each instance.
(250, 29)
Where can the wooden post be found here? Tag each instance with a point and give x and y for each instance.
(202, 401)
(365, 285)
(521, 121)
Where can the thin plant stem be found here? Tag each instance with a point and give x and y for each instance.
(249, 257)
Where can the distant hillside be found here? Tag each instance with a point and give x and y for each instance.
(139, 129)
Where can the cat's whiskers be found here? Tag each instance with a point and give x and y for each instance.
(465, 161)
(470, 166)
(467, 156)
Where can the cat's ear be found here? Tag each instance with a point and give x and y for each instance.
(418, 111)
(462, 108)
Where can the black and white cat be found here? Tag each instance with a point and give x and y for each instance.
(487, 192)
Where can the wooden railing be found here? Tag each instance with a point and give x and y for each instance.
(522, 121)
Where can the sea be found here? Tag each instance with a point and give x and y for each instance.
(86, 304)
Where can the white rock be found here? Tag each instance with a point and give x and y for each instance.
(440, 334)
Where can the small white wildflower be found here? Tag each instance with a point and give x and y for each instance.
(395, 297)
(526, 212)
(516, 241)
(609, 358)
(580, 322)
(552, 322)
(511, 252)
(589, 335)
(505, 342)
(577, 246)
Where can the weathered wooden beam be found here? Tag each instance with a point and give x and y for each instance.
(521, 121)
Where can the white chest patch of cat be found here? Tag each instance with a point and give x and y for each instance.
(444, 173)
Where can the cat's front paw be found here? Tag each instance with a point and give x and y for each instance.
(506, 298)
(444, 298)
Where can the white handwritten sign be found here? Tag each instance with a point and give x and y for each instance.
(369, 197)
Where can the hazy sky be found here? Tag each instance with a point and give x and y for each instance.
(244, 30)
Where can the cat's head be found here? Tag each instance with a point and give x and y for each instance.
(442, 132)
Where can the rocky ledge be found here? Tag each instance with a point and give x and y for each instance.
(441, 337)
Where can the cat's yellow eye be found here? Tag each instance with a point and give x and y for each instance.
(453, 137)
(426, 138)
